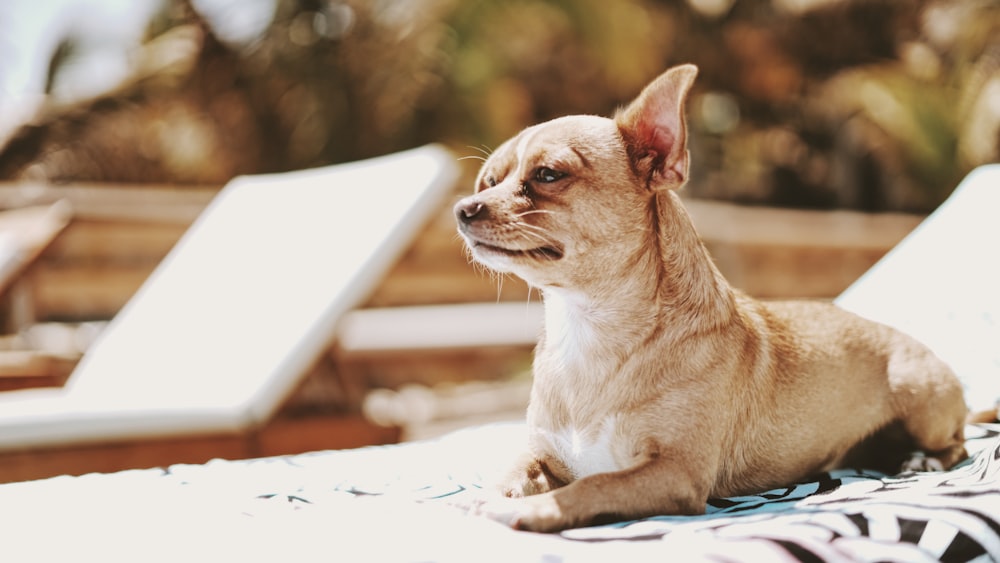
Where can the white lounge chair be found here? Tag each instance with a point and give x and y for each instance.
(228, 324)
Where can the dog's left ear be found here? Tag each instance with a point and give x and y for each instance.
(654, 129)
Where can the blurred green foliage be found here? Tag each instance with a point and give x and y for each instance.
(866, 104)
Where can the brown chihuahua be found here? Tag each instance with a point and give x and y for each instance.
(656, 384)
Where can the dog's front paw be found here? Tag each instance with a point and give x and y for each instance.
(539, 513)
(529, 477)
(524, 487)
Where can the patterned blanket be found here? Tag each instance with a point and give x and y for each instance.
(397, 503)
(848, 515)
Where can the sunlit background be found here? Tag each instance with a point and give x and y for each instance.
(862, 104)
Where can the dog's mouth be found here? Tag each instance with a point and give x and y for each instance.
(549, 253)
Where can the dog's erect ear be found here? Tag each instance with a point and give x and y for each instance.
(654, 129)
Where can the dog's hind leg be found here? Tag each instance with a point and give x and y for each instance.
(930, 406)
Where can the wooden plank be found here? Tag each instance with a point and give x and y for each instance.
(23, 465)
(24, 234)
(95, 242)
(771, 272)
(23, 369)
(281, 437)
(10, 382)
(285, 436)
(375, 332)
(728, 223)
(94, 267)
(792, 253)
(85, 292)
(108, 202)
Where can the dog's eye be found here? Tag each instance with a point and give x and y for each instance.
(547, 175)
(491, 182)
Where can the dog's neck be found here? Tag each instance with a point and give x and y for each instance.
(691, 290)
(670, 289)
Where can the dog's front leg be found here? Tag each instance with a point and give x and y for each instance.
(657, 486)
(532, 475)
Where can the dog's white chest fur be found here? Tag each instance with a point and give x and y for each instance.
(569, 333)
(586, 453)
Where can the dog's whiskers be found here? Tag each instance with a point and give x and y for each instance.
(486, 152)
(533, 212)
(546, 242)
(499, 278)
(534, 230)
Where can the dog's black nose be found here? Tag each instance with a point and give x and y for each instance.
(469, 210)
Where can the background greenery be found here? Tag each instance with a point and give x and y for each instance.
(864, 104)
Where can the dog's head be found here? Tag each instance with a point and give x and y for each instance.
(570, 200)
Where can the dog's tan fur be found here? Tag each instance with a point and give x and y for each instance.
(657, 385)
